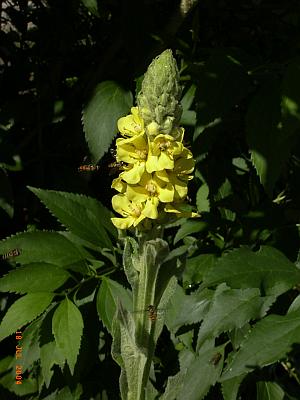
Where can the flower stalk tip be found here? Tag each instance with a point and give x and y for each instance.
(159, 98)
(156, 166)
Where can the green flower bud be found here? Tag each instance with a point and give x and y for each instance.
(159, 99)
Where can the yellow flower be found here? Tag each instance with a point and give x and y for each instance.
(132, 149)
(132, 124)
(152, 191)
(130, 210)
(179, 175)
(134, 152)
(162, 151)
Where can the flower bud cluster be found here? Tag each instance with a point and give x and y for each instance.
(155, 172)
(159, 99)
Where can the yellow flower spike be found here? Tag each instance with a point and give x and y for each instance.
(131, 212)
(161, 153)
(132, 124)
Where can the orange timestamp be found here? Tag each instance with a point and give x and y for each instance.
(19, 367)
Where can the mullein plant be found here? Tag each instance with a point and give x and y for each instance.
(156, 169)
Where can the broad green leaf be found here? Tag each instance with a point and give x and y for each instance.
(203, 371)
(188, 98)
(230, 388)
(30, 344)
(188, 228)
(67, 328)
(188, 116)
(202, 200)
(108, 103)
(222, 84)
(109, 293)
(50, 355)
(52, 248)
(269, 144)
(28, 386)
(269, 341)
(229, 309)
(268, 270)
(36, 277)
(24, 310)
(196, 267)
(6, 363)
(187, 309)
(224, 202)
(6, 194)
(174, 384)
(269, 391)
(82, 215)
(295, 304)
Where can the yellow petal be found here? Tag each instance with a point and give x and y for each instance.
(118, 184)
(137, 193)
(131, 125)
(150, 209)
(166, 194)
(123, 223)
(134, 174)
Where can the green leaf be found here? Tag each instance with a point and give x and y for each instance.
(269, 144)
(229, 309)
(222, 197)
(110, 292)
(24, 310)
(173, 386)
(65, 394)
(84, 216)
(30, 344)
(269, 341)
(202, 200)
(29, 385)
(6, 195)
(269, 391)
(187, 309)
(203, 371)
(268, 269)
(36, 277)
(108, 103)
(230, 388)
(52, 248)
(67, 328)
(50, 355)
(188, 228)
(197, 267)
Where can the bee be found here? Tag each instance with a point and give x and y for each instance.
(216, 359)
(88, 167)
(12, 253)
(152, 312)
(116, 166)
